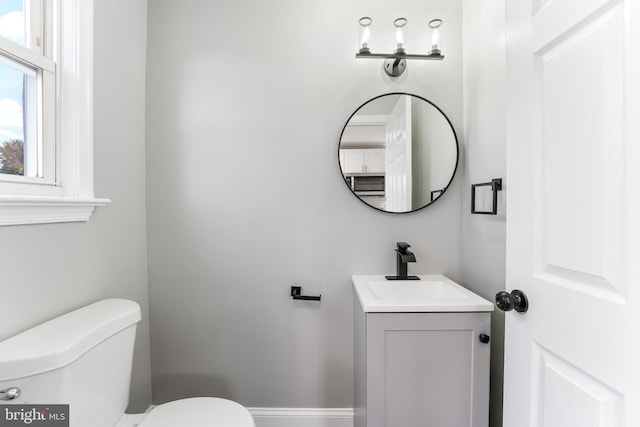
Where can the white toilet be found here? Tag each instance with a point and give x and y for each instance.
(83, 359)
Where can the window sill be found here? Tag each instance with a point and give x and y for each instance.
(22, 210)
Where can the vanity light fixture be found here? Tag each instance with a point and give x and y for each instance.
(395, 63)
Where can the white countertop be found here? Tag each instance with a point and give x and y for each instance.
(433, 293)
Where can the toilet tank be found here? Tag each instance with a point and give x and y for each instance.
(82, 359)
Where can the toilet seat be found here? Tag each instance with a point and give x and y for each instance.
(199, 412)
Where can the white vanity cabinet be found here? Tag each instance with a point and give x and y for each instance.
(362, 160)
(416, 369)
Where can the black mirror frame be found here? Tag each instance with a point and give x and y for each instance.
(441, 191)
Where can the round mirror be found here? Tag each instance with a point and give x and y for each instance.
(398, 153)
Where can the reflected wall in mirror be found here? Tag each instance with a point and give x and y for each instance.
(398, 153)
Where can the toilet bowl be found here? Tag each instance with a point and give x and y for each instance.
(83, 359)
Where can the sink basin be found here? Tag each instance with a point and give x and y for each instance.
(432, 293)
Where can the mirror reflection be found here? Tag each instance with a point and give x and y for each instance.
(398, 152)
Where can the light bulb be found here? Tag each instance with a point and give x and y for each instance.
(400, 25)
(435, 38)
(399, 37)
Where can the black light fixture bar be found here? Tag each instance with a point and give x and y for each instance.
(399, 56)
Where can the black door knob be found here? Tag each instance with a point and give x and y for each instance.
(484, 338)
(504, 301)
(517, 300)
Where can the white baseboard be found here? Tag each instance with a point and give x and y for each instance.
(302, 417)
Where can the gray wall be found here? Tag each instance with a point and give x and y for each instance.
(245, 104)
(485, 152)
(434, 145)
(48, 270)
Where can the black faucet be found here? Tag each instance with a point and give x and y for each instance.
(403, 256)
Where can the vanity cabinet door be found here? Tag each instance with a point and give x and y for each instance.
(423, 369)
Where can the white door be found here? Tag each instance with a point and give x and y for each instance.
(573, 213)
(397, 157)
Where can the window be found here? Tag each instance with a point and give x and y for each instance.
(27, 95)
(46, 111)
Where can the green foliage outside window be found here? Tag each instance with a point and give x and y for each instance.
(12, 157)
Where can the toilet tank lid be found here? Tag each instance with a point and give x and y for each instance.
(62, 340)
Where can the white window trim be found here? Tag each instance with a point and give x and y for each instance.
(74, 199)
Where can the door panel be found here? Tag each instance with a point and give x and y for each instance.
(573, 107)
(560, 382)
(581, 105)
(398, 156)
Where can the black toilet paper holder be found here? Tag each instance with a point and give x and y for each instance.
(296, 293)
